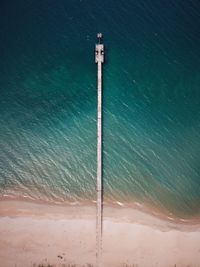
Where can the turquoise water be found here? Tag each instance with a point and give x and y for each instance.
(151, 101)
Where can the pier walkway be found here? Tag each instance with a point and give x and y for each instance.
(99, 59)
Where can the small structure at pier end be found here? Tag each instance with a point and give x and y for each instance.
(99, 56)
(99, 59)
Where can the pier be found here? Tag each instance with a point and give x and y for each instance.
(99, 59)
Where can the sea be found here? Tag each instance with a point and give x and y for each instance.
(151, 102)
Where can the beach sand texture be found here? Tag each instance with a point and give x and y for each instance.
(39, 233)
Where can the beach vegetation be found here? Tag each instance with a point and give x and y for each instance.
(87, 265)
(62, 265)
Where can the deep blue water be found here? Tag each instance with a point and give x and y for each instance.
(151, 101)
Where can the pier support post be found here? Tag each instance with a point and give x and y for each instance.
(99, 59)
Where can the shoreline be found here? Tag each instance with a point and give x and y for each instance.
(87, 210)
(133, 206)
(33, 233)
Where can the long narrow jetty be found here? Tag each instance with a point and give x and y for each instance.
(99, 59)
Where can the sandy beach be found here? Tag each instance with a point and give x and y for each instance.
(39, 233)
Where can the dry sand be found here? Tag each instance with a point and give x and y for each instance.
(37, 233)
